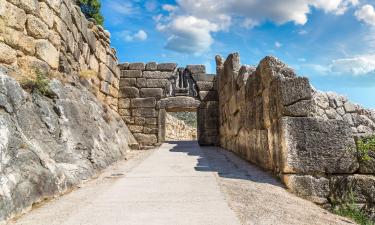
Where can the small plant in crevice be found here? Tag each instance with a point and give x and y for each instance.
(38, 83)
(348, 208)
(364, 147)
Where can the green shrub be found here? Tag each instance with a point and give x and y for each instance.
(91, 9)
(38, 83)
(365, 146)
(349, 209)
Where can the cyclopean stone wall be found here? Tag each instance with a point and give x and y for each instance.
(275, 119)
(54, 36)
(148, 91)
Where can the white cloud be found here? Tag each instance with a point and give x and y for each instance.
(356, 66)
(151, 5)
(278, 44)
(141, 35)
(189, 34)
(125, 8)
(366, 14)
(169, 8)
(220, 15)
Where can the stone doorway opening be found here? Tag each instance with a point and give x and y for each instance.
(181, 126)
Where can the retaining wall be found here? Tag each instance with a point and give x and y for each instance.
(54, 36)
(275, 119)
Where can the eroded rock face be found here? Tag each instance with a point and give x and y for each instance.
(48, 146)
(178, 130)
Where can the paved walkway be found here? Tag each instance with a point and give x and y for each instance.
(177, 184)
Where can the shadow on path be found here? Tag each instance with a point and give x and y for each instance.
(225, 163)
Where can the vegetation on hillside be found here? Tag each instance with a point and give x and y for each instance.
(190, 118)
(91, 9)
(365, 146)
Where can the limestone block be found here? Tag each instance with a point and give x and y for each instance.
(158, 83)
(30, 64)
(150, 130)
(145, 112)
(315, 189)
(167, 66)
(19, 41)
(131, 82)
(141, 82)
(204, 77)
(179, 103)
(104, 87)
(113, 92)
(208, 95)
(105, 73)
(151, 92)
(321, 100)
(196, 69)
(7, 54)
(136, 66)
(91, 40)
(361, 186)
(146, 139)
(12, 15)
(48, 53)
(131, 73)
(143, 103)
(124, 66)
(151, 121)
(205, 85)
(151, 66)
(30, 6)
(301, 108)
(93, 63)
(348, 119)
(139, 120)
(128, 119)
(135, 128)
(157, 74)
(129, 92)
(124, 103)
(317, 146)
(295, 89)
(61, 28)
(124, 112)
(340, 111)
(36, 27)
(349, 107)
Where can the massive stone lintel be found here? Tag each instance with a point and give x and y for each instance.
(181, 103)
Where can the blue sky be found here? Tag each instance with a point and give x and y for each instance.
(330, 41)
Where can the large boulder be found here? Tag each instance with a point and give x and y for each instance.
(49, 146)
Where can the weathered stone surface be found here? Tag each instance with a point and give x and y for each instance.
(317, 146)
(135, 129)
(151, 66)
(45, 14)
(105, 73)
(36, 27)
(208, 95)
(130, 82)
(124, 103)
(47, 155)
(157, 74)
(48, 53)
(19, 41)
(143, 102)
(361, 186)
(13, 16)
(151, 92)
(179, 103)
(295, 89)
(167, 66)
(205, 86)
(136, 66)
(158, 83)
(131, 73)
(301, 108)
(349, 107)
(313, 188)
(141, 82)
(146, 139)
(129, 92)
(144, 112)
(7, 54)
(196, 69)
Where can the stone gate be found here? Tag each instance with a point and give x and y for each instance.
(149, 91)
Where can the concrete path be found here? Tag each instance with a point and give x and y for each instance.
(168, 187)
(177, 184)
